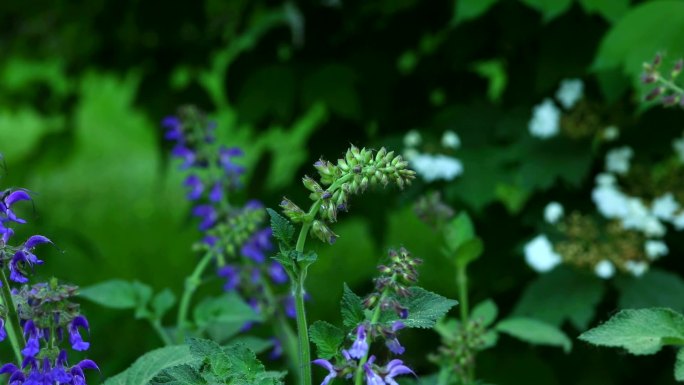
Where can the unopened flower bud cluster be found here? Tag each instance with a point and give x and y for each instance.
(665, 90)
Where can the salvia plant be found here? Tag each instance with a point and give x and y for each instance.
(38, 319)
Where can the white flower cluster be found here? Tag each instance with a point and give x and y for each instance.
(539, 254)
(678, 146)
(433, 167)
(545, 122)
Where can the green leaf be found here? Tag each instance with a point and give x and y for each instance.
(327, 338)
(469, 252)
(560, 295)
(656, 288)
(645, 30)
(118, 294)
(163, 302)
(255, 344)
(151, 363)
(351, 307)
(179, 375)
(640, 331)
(458, 231)
(424, 309)
(282, 228)
(470, 9)
(224, 316)
(495, 72)
(334, 85)
(486, 311)
(535, 332)
(210, 352)
(611, 10)
(550, 9)
(306, 258)
(679, 365)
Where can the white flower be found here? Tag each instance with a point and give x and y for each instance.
(545, 121)
(610, 201)
(664, 207)
(678, 221)
(611, 133)
(435, 167)
(617, 160)
(539, 254)
(604, 269)
(412, 139)
(605, 179)
(553, 212)
(451, 140)
(570, 92)
(410, 153)
(636, 268)
(639, 218)
(655, 249)
(678, 146)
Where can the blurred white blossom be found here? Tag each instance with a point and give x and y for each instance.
(610, 201)
(617, 160)
(636, 268)
(664, 207)
(655, 249)
(451, 140)
(611, 133)
(412, 139)
(678, 221)
(539, 254)
(678, 146)
(434, 167)
(545, 121)
(604, 269)
(569, 92)
(553, 212)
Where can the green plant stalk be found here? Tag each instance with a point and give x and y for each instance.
(156, 324)
(191, 283)
(358, 376)
(462, 281)
(12, 323)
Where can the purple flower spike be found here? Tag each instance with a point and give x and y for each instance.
(195, 187)
(75, 338)
(360, 346)
(396, 368)
(232, 276)
(277, 273)
(186, 154)
(174, 128)
(332, 373)
(372, 378)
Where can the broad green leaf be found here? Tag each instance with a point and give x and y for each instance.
(151, 363)
(611, 10)
(255, 344)
(656, 288)
(117, 294)
(470, 9)
(468, 252)
(424, 308)
(210, 352)
(679, 365)
(243, 362)
(163, 302)
(179, 375)
(560, 295)
(282, 228)
(24, 128)
(327, 338)
(224, 316)
(485, 312)
(351, 307)
(645, 30)
(549, 9)
(639, 331)
(459, 231)
(495, 72)
(535, 332)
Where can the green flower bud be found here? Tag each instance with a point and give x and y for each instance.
(292, 211)
(323, 232)
(311, 184)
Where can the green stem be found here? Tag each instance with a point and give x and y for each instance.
(283, 331)
(671, 85)
(156, 324)
(191, 283)
(462, 281)
(12, 323)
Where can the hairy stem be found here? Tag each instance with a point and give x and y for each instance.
(12, 323)
(192, 282)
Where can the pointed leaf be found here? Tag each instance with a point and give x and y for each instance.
(327, 337)
(535, 332)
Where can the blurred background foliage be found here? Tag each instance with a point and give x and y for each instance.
(83, 86)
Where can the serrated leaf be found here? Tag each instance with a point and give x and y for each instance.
(243, 362)
(179, 375)
(224, 316)
(210, 352)
(679, 365)
(118, 294)
(535, 332)
(286, 261)
(560, 295)
(255, 344)
(351, 308)
(163, 302)
(424, 309)
(151, 363)
(486, 312)
(327, 338)
(281, 227)
(304, 258)
(639, 331)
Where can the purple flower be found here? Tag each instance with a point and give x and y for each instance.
(360, 346)
(372, 378)
(289, 306)
(31, 333)
(396, 368)
(277, 350)
(186, 154)
(232, 276)
(77, 371)
(3, 332)
(59, 373)
(7, 202)
(208, 214)
(257, 245)
(277, 273)
(5, 231)
(332, 373)
(216, 193)
(195, 187)
(75, 338)
(174, 128)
